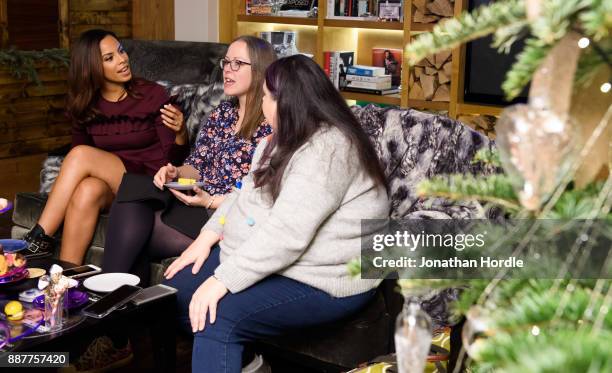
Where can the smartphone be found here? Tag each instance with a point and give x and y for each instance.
(111, 301)
(152, 293)
(82, 271)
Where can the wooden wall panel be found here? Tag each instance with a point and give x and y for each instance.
(32, 116)
(153, 19)
(20, 174)
(113, 15)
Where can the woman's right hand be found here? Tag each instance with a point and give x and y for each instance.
(196, 253)
(167, 172)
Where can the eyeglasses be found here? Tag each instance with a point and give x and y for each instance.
(235, 65)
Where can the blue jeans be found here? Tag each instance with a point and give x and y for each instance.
(271, 307)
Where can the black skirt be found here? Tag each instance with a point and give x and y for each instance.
(188, 220)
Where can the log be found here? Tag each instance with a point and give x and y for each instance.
(442, 8)
(443, 77)
(415, 92)
(442, 93)
(448, 68)
(429, 60)
(421, 5)
(418, 71)
(440, 58)
(428, 85)
(419, 17)
(422, 63)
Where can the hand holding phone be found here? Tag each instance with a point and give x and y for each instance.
(111, 301)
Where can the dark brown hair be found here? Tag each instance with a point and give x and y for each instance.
(86, 76)
(262, 55)
(306, 101)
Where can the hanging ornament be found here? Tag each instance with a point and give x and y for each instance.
(413, 335)
(538, 141)
(536, 148)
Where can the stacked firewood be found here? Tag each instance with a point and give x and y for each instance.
(429, 11)
(430, 78)
(481, 123)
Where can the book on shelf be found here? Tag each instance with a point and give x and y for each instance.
(370, 79)
(335, 64)
(350, 9)
(379, 92)
(390, 60)
(369, 85)
(259, 7)
(366, 70)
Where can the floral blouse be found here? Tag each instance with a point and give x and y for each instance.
(221, 157)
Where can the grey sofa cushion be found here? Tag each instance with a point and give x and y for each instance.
(179, 62)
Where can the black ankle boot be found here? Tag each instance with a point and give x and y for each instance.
(39, 244)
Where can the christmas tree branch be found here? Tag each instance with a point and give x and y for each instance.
(454, 32)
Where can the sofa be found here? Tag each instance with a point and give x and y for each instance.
(411, 145)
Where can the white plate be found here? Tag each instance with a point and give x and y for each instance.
(177, 186)
(107, 282)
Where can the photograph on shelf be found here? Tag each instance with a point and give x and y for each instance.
(284, 42)
(260, 7)
(391, 60)
(390, 10)
(298, 8)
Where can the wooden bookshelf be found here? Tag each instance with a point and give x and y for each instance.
(388, 99)
(273, 19)
(363, 24)
(317, 35)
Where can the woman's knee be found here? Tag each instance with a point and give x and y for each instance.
(224, 330)
(90, 193)
(79, 154)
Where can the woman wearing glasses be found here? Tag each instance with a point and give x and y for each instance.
(146, 220)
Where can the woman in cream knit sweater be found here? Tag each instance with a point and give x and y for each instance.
(273, 257)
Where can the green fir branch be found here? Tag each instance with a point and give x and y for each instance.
(596, 20)
(22, 64)
(456, 31)
(548, 350)
(495, 188)
(526, 64)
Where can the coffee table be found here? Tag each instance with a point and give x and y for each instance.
(157, 316)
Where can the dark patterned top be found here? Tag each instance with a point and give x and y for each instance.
(221, 157)
(132, 129)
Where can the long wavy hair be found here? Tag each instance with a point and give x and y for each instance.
(86, 76)
(262, 55)
(306, 101)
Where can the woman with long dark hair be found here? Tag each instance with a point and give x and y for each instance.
(119, 124)
(274, 255)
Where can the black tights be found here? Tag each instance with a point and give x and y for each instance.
(135, 235)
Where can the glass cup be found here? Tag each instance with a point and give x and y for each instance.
(54, 311)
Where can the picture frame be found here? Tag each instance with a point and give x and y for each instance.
(389, 11)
